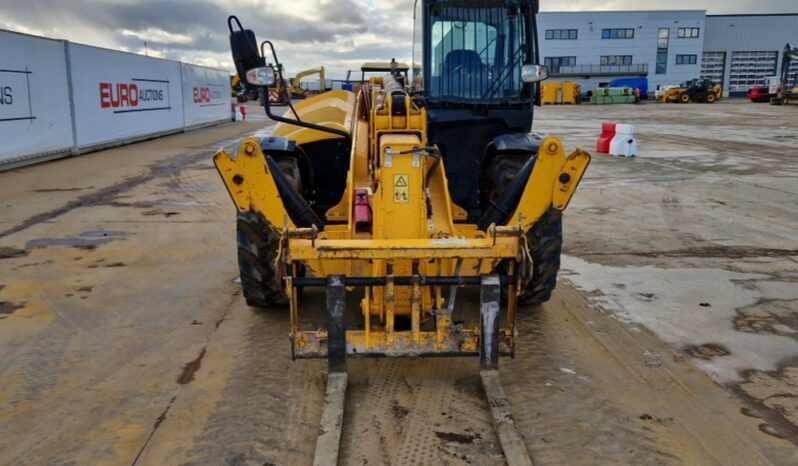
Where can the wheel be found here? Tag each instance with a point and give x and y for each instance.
(257, 262)
(258, 247)
(684, 98)
(711, 98)
(500, 174)
(544, 239)
(545, 244)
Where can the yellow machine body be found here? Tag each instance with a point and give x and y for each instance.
(416, 229)
(681, 95)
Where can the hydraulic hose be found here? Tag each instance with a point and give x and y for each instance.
(499, 212)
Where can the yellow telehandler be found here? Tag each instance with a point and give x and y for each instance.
(404, 193)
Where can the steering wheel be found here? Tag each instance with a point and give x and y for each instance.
(471, 68)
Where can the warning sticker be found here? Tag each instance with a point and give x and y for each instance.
(400, 190)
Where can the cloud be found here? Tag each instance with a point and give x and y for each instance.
(159, 36)
(339, 34)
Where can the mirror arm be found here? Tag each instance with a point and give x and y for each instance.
(301, 123)
(280, 82)
(288, 121)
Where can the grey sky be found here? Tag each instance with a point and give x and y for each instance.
(339, 34)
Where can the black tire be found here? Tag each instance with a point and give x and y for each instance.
(545, 244)
(257, 262)
(500, 174)
(544, 239)
(257, 250)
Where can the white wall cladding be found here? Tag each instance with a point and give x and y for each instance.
(750, 42)
(719, 38)
(122, 96)
(206, 94)
(34, 98)
(58, 98)
(589, 46)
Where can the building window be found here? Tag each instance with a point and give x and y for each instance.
(554, 63)
(686, 59)
(688, 33)
(617, 33)
(561, 34)
(663, 37)
(614, 60)
(713, 66)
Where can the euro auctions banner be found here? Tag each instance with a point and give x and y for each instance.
(121, 96)
(206, 95)
(34, 97)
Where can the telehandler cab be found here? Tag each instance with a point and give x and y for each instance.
(405, 192)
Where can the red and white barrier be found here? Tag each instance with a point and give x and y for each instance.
(239, 113)
(607, 133)
(624, 143)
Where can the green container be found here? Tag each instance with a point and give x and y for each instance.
(612, 95)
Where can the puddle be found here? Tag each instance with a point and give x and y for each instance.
(59, 190)
(191, 368)
(769, 316)
(185, 203)
(166, 214)
(102, 233)
(10, 253)
(87, 240)
(108, 195)
(457, 438)
(672, 303)
(7, 308)
(707, 351)
(773, 397)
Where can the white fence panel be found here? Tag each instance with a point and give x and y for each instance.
(206, 95)
(120, 96)
(34, 98)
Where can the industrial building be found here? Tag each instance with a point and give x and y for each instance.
(665, 46)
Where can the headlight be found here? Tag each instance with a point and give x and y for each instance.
(534, 73)
(263, 76)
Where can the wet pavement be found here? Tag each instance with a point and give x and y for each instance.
(697, 240)
(125, 339)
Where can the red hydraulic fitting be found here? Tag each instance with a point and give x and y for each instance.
(362, 211)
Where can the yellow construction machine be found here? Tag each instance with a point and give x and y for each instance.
(404, 193)
(696, 90)
(241, 91)
(784, 93)
(295, 88)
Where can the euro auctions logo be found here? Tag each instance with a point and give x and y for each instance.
(138, 95)
(15, 96)
(205, 95)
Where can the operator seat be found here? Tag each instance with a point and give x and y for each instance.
(459, 67)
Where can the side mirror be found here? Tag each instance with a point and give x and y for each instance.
(262, 76)
(534, 73)
(244, 47)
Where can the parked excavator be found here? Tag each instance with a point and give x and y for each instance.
(295, 89)
(786, 94)
(402, 195)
